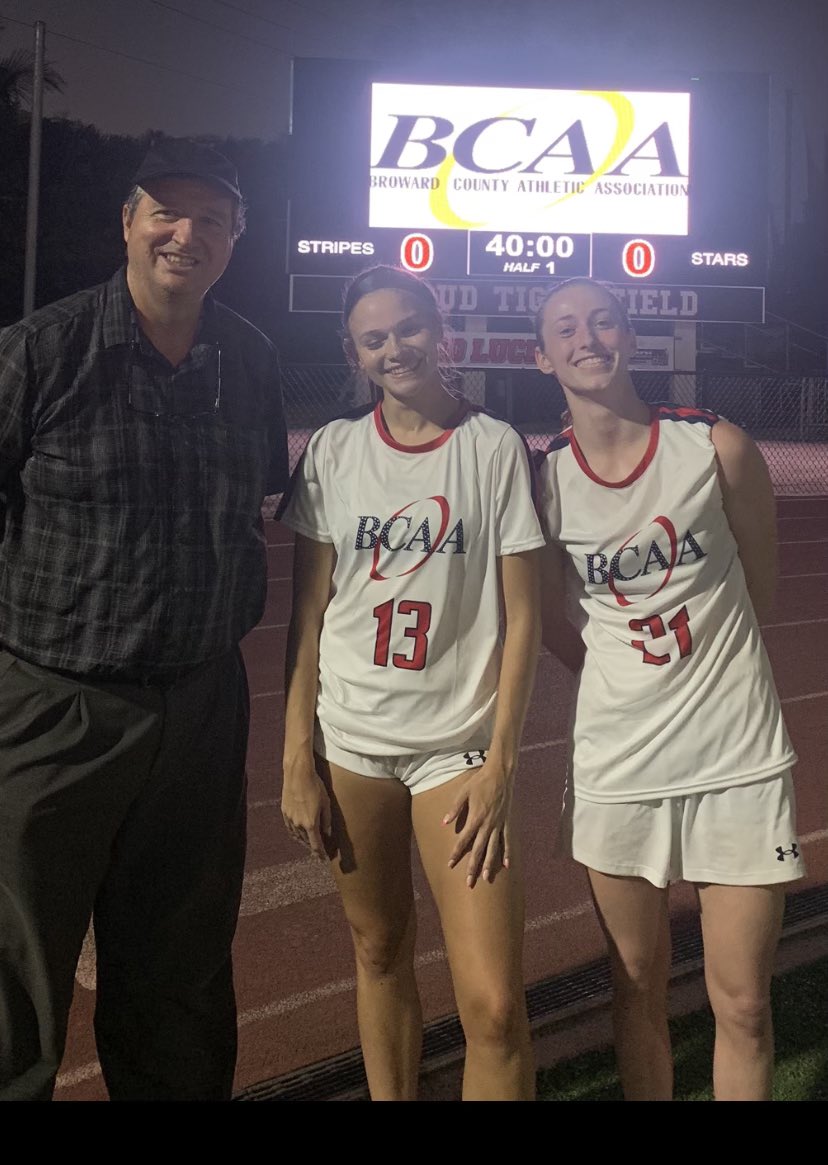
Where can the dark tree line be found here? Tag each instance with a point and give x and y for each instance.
(85, 176)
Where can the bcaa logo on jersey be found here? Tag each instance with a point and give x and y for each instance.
(634, 559)
(421, 533)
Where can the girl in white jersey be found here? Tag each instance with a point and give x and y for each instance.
(662, 552)
(404, 709)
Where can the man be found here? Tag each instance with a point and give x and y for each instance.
(140, 429)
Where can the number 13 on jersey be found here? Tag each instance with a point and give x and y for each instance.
(416, 631)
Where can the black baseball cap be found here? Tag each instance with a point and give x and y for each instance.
(181, 158)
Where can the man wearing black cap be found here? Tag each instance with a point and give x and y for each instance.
(140, 429)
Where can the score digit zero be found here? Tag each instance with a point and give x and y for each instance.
(638, 258)
(416, 252)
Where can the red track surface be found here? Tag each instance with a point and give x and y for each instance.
(294, 967)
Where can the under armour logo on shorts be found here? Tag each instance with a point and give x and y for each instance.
(475, 757)
(781, 853)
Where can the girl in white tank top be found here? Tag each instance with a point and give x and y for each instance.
(661, 552)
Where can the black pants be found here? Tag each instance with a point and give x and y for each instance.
(125, 804)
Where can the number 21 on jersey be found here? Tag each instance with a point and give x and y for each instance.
(679, 625)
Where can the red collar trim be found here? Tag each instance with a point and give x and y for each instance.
(649, 454)
(382, 430)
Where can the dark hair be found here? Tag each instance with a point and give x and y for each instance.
(575, 281)
(384, 278)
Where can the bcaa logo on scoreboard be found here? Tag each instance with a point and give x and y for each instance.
(587, 161)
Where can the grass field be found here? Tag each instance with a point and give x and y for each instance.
(801, 1016)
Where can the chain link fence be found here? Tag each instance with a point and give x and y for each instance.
(786, 415)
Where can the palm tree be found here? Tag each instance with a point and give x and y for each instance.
(17, 80)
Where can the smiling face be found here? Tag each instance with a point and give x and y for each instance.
(179, 239)
(586, 340)
(396, 341)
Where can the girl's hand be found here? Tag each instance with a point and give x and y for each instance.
(306, 807)
(482, 815)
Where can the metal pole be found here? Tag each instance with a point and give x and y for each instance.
(786, 211)
(34, 169)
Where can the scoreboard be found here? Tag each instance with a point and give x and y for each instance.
(496, 192)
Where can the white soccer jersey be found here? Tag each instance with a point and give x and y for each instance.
(410, 646)
(676, 693)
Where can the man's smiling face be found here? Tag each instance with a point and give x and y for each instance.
(180, 237)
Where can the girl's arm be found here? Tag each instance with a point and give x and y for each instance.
(751, 511)
(306, 806)
(558, 634)
(487, 792)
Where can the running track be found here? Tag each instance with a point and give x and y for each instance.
(294, 969)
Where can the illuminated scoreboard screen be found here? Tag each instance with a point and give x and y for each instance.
(495, 193)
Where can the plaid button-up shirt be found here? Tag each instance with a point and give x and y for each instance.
(131, 539)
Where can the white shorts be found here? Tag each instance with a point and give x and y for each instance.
(418, 771)
(742, 836)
